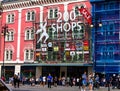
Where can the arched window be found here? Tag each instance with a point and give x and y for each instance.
(9, 36)
(76, 7)
(53, 13)
(77, 11)
(10, 18)
(30, 16)
(8, 55)
(28, 54)
(29, 34)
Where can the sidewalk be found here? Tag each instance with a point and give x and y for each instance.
(58, 88)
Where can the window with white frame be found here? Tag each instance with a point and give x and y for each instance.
(10, 18)
(8, 55)
(53, 13)
(28, 54)
(30, 16)
(9, 36)
(29, 34)
(76, 9)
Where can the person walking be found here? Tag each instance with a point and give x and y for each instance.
(49, 79)
(80, 83)
(84, 81)
(55, 81)
(14, 80)
(18, 80)
(41, 80)
(3, 78)
(68, 81)
(71, 81)
(91, 83)
(44, 80)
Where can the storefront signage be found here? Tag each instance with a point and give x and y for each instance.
(86, 48)
(79, 46)
(56, 49)
(50, 44)
(43, 45)
(65, 22)
(86, 14)
(44, 49)
(44, 53)
(66, 26)
(72, 53)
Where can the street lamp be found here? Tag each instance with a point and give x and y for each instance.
(4, 33)
(97, 23)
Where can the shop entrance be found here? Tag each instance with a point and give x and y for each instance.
(9, 72)
(75, 71)
(28, 71)
(53, 70)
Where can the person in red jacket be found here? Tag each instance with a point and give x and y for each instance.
(3, 78)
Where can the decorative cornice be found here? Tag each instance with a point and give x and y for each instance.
(28, 3)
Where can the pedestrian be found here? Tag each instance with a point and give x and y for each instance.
(80, 83)
(97, 81)
(41, 80)
(63, 81)
(90, 82)
(55, 81)
(71, 81)
(3, 78)
(44, 80)
(14, 80)
(49, 79)
(68, 81)
(77, 81)
(18, 80)
(84, 81)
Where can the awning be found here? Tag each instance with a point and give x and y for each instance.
(57, 64)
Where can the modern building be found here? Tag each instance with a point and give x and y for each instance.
(106, 39)
(45, 36)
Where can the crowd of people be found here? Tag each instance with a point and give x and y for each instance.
(90, 81)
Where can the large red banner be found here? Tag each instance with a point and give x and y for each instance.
(86, 14)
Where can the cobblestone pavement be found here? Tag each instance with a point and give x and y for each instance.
(58, 88)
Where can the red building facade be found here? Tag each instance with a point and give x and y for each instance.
(45, 37)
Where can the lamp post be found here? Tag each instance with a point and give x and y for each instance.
(97, 23)
(4, 33)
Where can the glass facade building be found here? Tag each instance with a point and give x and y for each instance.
(106, 39)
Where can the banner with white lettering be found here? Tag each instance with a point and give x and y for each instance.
(86, 14)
